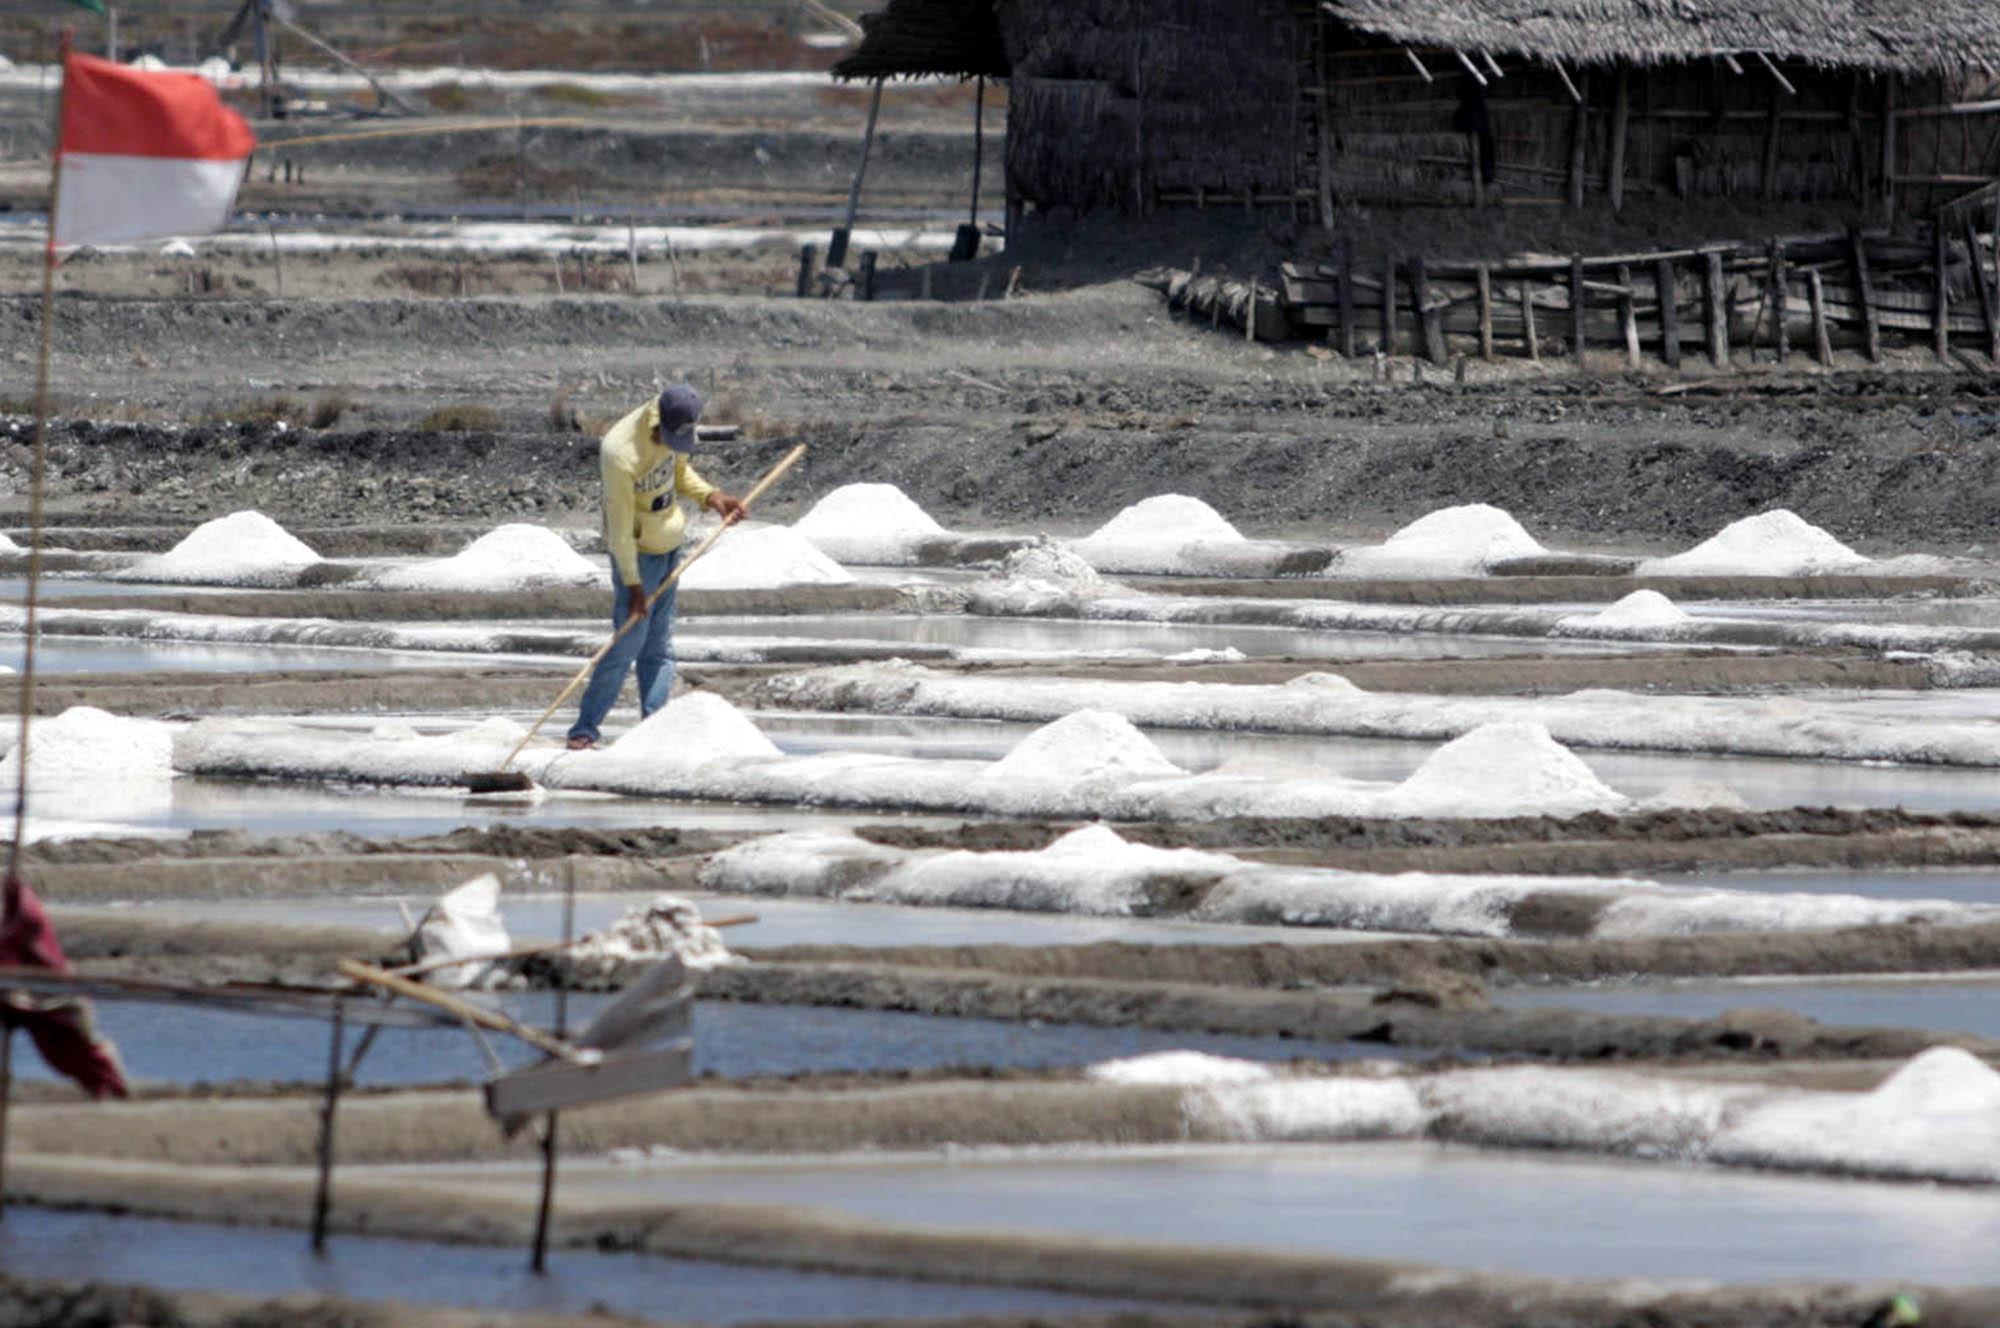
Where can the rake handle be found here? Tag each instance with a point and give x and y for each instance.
(771, 477)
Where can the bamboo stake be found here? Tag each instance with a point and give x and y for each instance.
(771, 477)
(323, 1190)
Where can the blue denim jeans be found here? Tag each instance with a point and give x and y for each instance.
(650, 645)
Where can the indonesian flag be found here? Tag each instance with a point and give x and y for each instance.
(144, 155)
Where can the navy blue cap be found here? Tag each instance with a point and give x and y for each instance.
(680, 407)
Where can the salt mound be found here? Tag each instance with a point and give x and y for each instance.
(512, 557)
(752, 557)
(1640, 609)
(1774, 543)
(85, 749)
(1938, 1116)
(1088, 746)
(867, 523)
(1464, 539)
(1504, 769)
(1178, 1067)
(1167, 518)
(1048, 562)
(243, 548)
(693, 728)
(7, 545)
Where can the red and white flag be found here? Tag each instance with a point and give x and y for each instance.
(144, 155)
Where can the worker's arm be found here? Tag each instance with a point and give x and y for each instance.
(620, 530)
(689, 482)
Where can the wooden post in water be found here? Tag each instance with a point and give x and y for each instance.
(1666, 286)
(1484, 276)
(1715, 308)
(1576, 307)
(1816, 297)
(1940, 295)
(335, 1072)
(1780, 283)
(1864, 296)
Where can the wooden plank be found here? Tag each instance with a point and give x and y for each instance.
(1427, 314)
(1871, 327)
(1486, 312)
(1628, 318)
(554, 1085)
(1347, 298)
(1984, 292)
(1621, 119)
(1528, 325)
(1822, 340)
(1389, 305)
(1940, 295)
(1715, 309)
(1577, 306)
(1670, 314)
(1779, 285)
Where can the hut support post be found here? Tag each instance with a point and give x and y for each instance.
(1628, 315)
(1347, 298)
(1773, 134)
(1816, 297)
(1940, 295)
(1579, 140)
(1890, 127)
(1528, 336)
(1670, 315)
(1779, 282)
(978, 143)
(1389, 305)
(1576, 307)
(1871, 328)
(836, 253)
(1428, 319)
(1984, 291)
(1715, 308)
(1323, 117)
(1484, 276)
(1621, 119)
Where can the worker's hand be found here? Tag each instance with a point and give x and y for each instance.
(635, 601)
(731, 510)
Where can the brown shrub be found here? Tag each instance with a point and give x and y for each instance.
(465, 417)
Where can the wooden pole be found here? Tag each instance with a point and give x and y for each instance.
(1989, 317)
(1427, 315)
(1666, 286)
(1715, 308)
(546, 1208)
(1389, 305)
(1889, 133)
(1780, 282)
(836, 254)
(1484, 275)
(1864, 296)
(1347, 298)
(1325, 154)
(1940, 295)
(807, 252)
(1576, 307)
(1621, 117)
(1579, 134)
(1528, 322)
(323, 1191)
(978, 142)
(1773, 129)
(1822, 342)
(1250, 313)
(1628, 316)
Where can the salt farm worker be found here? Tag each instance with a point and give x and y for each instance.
(644, 462)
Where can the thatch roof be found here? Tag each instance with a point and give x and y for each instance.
(1913, 36)
(918, 38)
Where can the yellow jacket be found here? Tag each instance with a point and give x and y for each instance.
(637, 471)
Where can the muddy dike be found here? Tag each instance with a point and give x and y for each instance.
(1416, 1013)
(1347, 1291)
(34, 1302)
(1542, 588)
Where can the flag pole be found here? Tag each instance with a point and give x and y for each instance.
(37, 485)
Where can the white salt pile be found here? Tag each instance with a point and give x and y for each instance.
(1504, 769)
(1640, 611)
(241, 549)
(869, 524)
(752, 557)
(94, 755)
(465, 924)
(1092, 871)
(644, 934)
(7, 545)
(1169, 518)
(512, 557)
(1087, 748)
(1048, 562)
(693, 728)
(1774, 543)
(1452, 541)
(1178, 1067)
(1303, 1109)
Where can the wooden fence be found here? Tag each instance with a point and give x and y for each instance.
(1786, 295)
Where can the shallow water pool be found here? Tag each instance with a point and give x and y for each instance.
(1948, 1004)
